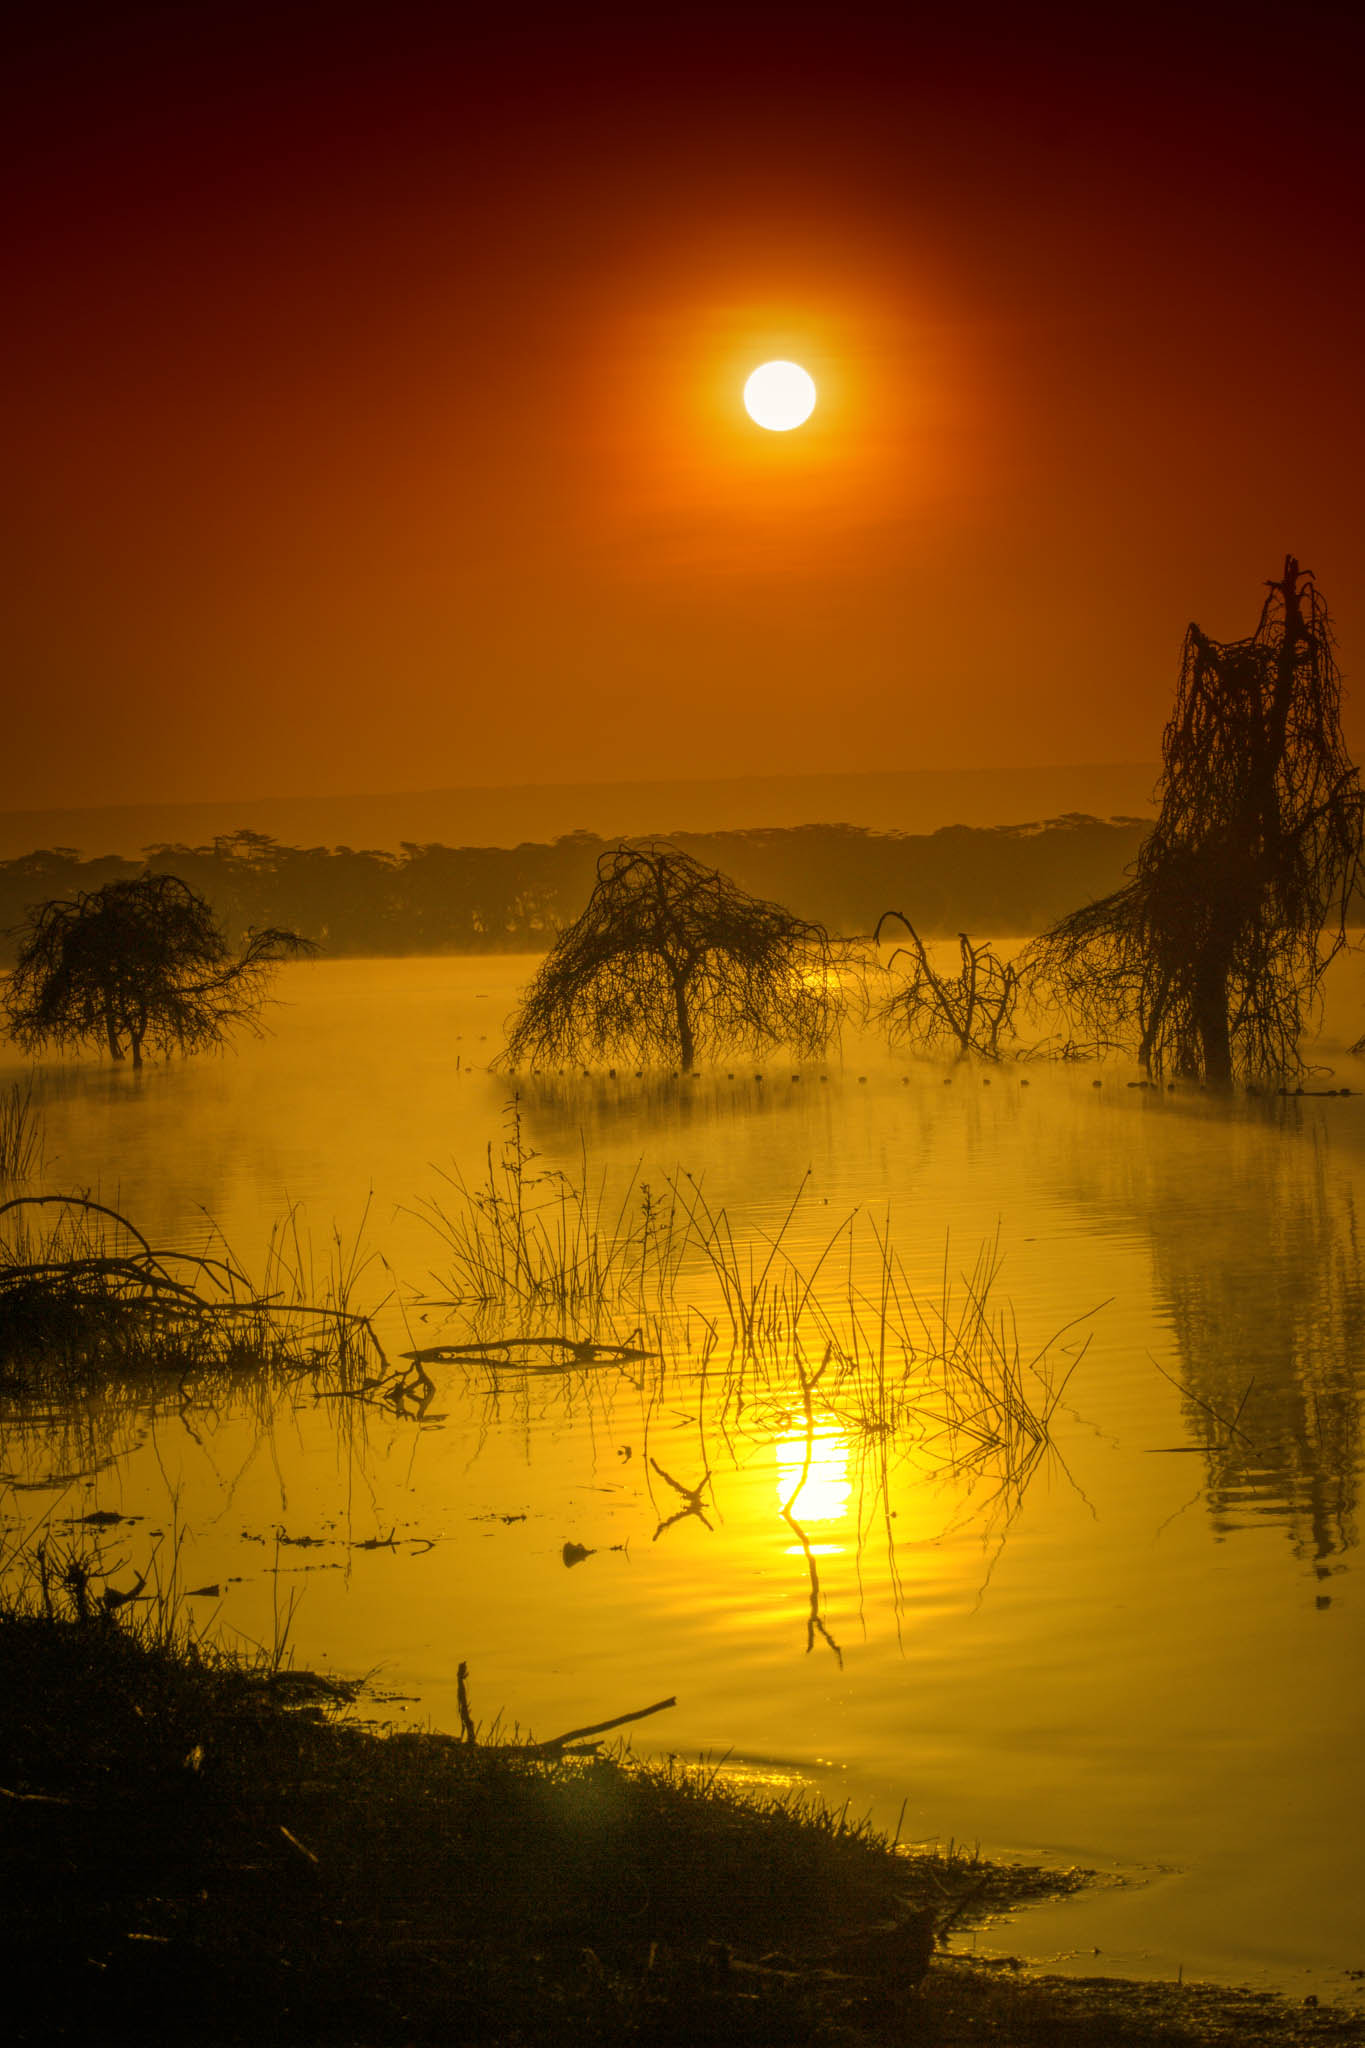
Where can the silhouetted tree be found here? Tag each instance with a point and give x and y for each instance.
(967, 1010)
(137, 963)
(1212, 956)
(670, 959)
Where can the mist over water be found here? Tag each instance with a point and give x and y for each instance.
(1141, 1650)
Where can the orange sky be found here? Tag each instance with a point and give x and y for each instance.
(372, 388)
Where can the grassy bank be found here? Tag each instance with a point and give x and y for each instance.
(195, 1849)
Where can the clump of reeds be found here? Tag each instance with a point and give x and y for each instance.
(21, 1133)
(68, 1582)
(540, 1238)
(87, 1304)
(941, 1374)
(952, 1366)
(953, 1370)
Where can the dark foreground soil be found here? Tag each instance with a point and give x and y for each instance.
(191, 1851)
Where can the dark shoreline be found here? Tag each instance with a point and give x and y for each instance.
(197, 1848)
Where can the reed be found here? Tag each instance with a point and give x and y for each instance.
(21, 1133)
(836, 1330)
(952, 1370)
(950, 1366)
(541, 1239)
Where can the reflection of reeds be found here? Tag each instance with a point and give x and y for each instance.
(553, 1240)
(21, 1133)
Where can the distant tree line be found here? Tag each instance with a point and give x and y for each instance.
(1008, 881)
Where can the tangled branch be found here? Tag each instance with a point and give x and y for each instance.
(967, 1011)
(134, 964)
(1211, 958)
(670, 961)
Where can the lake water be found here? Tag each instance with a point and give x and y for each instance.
(1142, 1651)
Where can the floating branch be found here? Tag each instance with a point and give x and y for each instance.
(566, 1352)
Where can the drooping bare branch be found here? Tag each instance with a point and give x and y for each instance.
(929, 1012)
(1210, 960)
(671, 961)
(137, 964)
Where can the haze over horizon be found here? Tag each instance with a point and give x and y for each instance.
(912, 801)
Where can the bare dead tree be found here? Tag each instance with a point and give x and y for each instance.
(134, 964)
(671, 960)
(1210, 960)
(930, 1011)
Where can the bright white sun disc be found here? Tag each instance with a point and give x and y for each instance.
(779, 396)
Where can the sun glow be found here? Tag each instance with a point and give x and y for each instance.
(813, 1478)
(779, 396)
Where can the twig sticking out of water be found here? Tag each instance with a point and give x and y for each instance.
(559, 1743)
(1230, 1426)
(467, 1728)
(691, 1497)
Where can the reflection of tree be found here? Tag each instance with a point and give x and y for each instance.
(1257, 1260)
(815, 1622)
(1295, 1342)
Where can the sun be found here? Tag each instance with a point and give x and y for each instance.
(779, 396)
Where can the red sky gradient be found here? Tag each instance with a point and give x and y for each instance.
(372, 388)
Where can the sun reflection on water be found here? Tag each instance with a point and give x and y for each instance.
(814, 1481)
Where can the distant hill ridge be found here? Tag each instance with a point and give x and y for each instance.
(915, 800)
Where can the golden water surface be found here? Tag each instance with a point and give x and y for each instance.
(1135, 1644)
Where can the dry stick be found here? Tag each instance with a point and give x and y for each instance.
(1242, 1403)
(462, 1701)
(589, 1352)
(691, 1498)
(1208, 1406)
(598, 1727)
